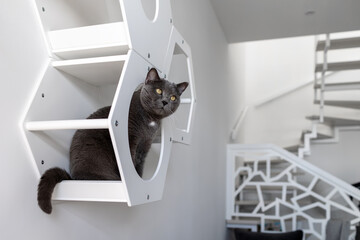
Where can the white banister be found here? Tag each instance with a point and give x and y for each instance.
(267, 180)
(239, 121)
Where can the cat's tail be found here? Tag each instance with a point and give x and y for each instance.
(46, 187)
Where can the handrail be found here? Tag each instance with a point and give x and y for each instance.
(238, 123)
(282, 93)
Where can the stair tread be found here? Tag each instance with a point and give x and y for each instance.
(339, 43)
(250, 202)
(278, 160)
(339, 66)
(335, 121)
(293, 148)
(341, 103)
(339, 86)
(274, 173)
(318, 137)
(270, 187)
(243, 221)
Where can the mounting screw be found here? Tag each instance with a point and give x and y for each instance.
(148, 55)
(42, 162)
(116, 123)
(43, 9)
(42, 95)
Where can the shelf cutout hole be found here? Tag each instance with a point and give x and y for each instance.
(150, 8)
(152, 155)
(179, 72)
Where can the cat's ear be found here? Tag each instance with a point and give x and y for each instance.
(152, 75)
(182, 86)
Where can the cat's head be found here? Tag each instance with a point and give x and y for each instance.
(159, 96)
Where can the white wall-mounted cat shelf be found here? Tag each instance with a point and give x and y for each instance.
(100, 51)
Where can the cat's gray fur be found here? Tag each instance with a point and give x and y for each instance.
(91, 153)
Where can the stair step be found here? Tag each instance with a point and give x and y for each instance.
(67, 124)
(274, 173)
(339, 66)
(250, 202)
(263, 161)
(338, 122)
(339, 86)
(244, 223)
(293, 149)
(270, 188)
(319, 136)
(338, 103)
(97, 71)
(339, 44)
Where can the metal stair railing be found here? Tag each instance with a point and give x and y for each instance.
(305, 202)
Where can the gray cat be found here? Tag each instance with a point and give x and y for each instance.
(91, 152)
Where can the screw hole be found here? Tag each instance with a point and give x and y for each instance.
(171, 20)
(170, 139)
(43, 9)
(182, 138)
(42, 95)
(148, 197)
(116, 123)
(148, 55)
(42, 162)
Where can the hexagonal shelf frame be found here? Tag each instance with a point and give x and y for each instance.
(97, 61)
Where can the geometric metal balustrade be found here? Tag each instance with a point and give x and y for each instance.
(282, 192)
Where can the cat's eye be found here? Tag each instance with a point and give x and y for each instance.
(172, 98)
(158, 91)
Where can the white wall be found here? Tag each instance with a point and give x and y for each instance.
(269, 68)
(193, 205)
(341, 158)
(265, 68)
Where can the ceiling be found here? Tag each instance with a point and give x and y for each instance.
(248, 20)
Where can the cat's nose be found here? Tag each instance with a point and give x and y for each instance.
(164, 103)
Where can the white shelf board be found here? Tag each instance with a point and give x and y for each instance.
(185, 100)
(97, 71)
(90, 41)
(67, 124)
(92, 51)
(96, 191)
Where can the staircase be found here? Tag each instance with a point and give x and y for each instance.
(273, 189)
